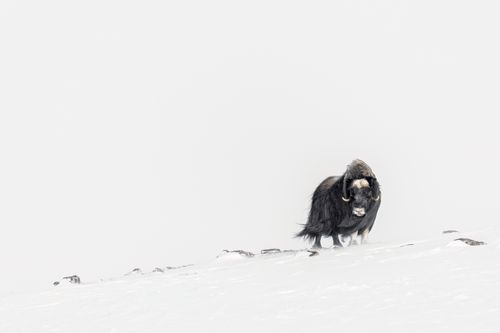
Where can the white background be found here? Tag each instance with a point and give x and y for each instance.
(143, 134)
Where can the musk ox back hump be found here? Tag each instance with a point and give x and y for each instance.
(328, 183)
(359, 169)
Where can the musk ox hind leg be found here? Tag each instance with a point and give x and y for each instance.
(336, 240)
(317, 242)
(311, 235)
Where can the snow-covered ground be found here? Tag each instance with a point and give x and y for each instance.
(432, 285)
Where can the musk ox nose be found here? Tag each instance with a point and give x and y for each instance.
(359, 211)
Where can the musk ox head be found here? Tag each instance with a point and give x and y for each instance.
(360, 188)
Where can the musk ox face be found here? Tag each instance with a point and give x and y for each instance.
(361, 196)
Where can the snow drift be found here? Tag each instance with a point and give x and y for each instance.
(435, 285)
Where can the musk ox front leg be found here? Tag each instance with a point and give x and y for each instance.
(364, 235)
(345, 240)
(354, 238)
(340, 240)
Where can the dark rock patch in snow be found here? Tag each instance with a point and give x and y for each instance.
(237, 252)
(470, 242)
(313, 253)
(449, 231)
(270, 251)
(177, 267)
(167, 268)
(134, 271)
(71, 279)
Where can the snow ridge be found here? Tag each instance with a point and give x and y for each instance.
(430, 285)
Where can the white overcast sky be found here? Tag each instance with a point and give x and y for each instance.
(154, 133)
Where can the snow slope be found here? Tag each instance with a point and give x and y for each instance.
(434, 285)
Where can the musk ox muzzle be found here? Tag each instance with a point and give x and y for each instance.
(359, 211)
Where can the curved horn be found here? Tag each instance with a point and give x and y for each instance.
(345, 196)
(376, 188)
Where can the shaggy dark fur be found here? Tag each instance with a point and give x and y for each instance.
(344, 206)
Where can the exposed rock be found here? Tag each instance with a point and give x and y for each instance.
(269, 251)
(134, 271)
(313, 253)
(449, 231)
(177, 267)
(470, 242)
(240, 252)
(72, 279)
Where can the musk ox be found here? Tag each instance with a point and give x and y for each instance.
(344, 207)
